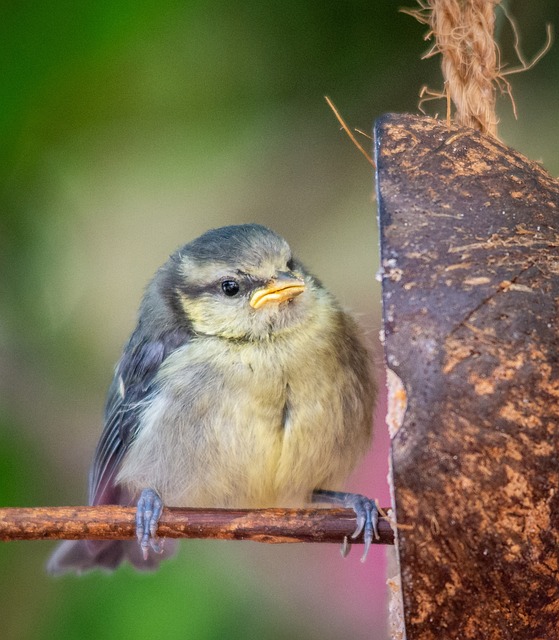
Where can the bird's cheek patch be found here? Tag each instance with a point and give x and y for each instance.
(195, 311)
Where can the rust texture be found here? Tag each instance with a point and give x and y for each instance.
(109, 522)
(470, 269)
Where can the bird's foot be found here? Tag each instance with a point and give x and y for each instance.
(149, 509)
(366, 512)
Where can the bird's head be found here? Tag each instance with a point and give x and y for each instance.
(238, 282)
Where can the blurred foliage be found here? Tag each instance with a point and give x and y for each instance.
(128, 128)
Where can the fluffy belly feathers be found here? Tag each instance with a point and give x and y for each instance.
(235, 427)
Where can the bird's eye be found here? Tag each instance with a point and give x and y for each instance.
(230, 287)
(290, 264)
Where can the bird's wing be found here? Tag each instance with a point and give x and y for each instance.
(130, 388)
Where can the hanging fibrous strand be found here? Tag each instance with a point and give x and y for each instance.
(463, 31)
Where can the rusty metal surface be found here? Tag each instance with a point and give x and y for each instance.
(470, 260)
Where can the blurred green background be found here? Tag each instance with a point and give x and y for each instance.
(128, 128)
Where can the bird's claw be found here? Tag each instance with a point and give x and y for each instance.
(149, 509)
(366, 512)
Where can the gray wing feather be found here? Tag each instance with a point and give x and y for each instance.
(132, 385)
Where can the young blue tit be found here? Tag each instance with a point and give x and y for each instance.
(244, 385)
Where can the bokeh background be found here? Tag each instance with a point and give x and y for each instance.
(130, 127)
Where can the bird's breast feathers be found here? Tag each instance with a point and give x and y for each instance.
(247, 424)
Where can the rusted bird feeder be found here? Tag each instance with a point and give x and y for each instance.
(470, 271)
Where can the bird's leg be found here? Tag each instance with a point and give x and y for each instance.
(149, 509)
(366, 512)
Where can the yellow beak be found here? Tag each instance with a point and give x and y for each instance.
(284, 286)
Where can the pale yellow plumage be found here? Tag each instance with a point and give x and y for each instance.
(218, 425)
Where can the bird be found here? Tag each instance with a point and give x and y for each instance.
(243, 385)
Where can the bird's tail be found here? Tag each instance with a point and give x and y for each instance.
(79, 556)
